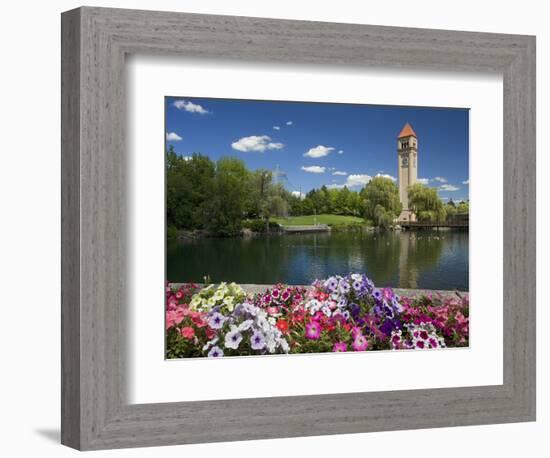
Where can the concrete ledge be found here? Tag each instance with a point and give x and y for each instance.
(306, 228)
(255, 289)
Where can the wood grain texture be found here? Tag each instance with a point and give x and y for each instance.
(70, 229)
(96, 414)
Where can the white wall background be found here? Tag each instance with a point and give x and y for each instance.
(29, 229)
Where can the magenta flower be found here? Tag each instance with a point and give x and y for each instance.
(360, 343)
(340, 346)
(433, 342)
(313, 330)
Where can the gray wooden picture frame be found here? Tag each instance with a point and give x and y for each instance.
(95, 412)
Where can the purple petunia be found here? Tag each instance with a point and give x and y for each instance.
(216, 320)
(343, 286)
(215, 352)
(331, 284)
(257, 341)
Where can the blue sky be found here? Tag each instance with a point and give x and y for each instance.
(317, 144)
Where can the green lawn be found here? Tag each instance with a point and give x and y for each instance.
(331, 220)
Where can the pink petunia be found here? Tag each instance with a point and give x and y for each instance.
(210, 333)
(174, 317)
(199, 319)
(313, 330)
(187, 332)
(360, 343)
(340, 347)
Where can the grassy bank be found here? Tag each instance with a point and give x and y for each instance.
(330, 220)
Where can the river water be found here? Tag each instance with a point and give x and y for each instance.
(423, 259)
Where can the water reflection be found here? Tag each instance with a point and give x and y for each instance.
(434, 260)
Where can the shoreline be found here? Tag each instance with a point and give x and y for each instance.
(404, 292)
(198, 234)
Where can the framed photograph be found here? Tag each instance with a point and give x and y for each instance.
(307, 228)
(310, 229)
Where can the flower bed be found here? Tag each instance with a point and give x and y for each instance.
(333, 315)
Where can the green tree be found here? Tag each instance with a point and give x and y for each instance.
(342, 201)
(381, 201)
(295, 204)
(425, 202)
(450, 209)
(382, 217)
(188, 184)
(227, 199)
(463, 207)
(355, 203)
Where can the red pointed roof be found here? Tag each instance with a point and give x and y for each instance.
(407, 131)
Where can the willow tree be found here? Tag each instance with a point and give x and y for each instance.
(425, 202)
(381, 201)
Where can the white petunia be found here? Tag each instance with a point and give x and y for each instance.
(208, 344)
(233, 338)
(245, 325)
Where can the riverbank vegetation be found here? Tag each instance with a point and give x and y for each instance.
(329, 220)
(223, 197)
(337, 314)
(427, 205)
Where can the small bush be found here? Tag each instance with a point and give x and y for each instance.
(171, 233)
(258, 225)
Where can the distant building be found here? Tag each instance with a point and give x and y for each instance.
(407, 166)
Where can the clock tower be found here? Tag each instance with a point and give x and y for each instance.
(407, 152)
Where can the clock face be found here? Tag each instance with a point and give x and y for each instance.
(405, 162)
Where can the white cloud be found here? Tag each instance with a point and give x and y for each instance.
(314, 169)
(385, 175)
(352, 181)
(466, 182)
(189, 107)
(173, 137)
(319, 151)
(338, 172)
(357, 180)
(340, 151)
(187, 158)
(289, 123)
(448, 187)
(424, 181)
(440, 179)
(276, 128)
(256, 143)
(299, 194)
